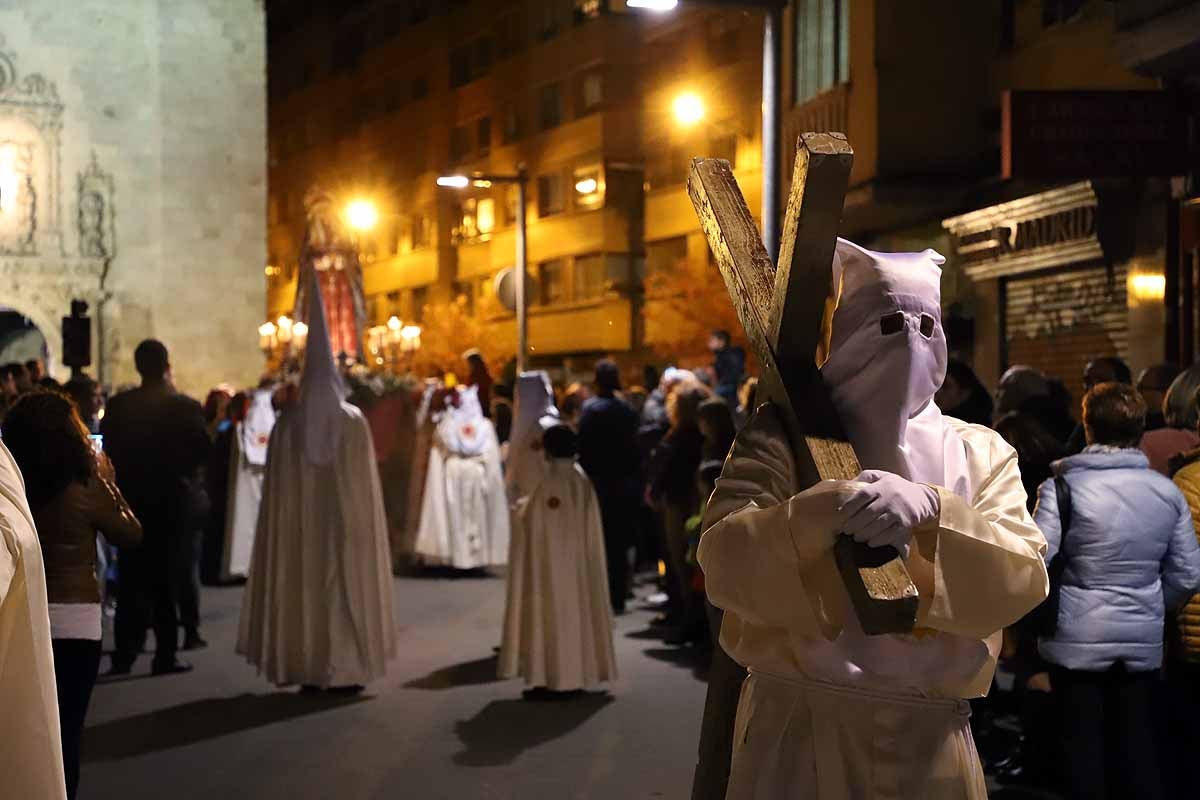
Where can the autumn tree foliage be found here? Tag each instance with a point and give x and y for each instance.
(450, 329)
(683, 306)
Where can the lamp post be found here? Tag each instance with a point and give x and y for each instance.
(771, 100)
(520, 179)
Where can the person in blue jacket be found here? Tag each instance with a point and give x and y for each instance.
(1131, 556)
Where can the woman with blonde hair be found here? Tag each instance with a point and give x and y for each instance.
(672, 489)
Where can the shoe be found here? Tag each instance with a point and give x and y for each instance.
(174, 668)
(346, 691)
(193, 641)
(116, 668)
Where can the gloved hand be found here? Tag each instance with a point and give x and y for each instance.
(885, 508)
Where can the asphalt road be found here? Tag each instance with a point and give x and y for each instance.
(440, 725)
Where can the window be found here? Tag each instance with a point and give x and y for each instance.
(666, 164)
(666, 255)
(460, 143)
(822, 46)
(483, 135)
(550, 195)
(392, 307)
(418, 11)
(416, 233)
(1055, 12)
(485, 214)
(460, 66)
(553, 287)
(511, 199)
(482, 61)
(551, 106)
(348, 48)
(512, 125)
(470, 61)
(550, 22)
(591, 92)
(420, 87)
(417, 302)
(591, 278)
(509, 35)
(721, 41)
(589, 9)
(588, 183)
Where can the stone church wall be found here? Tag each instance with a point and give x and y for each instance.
(138, 128)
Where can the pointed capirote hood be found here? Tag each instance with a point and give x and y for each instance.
(321, 387)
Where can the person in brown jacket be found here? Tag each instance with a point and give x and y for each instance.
(71, 493)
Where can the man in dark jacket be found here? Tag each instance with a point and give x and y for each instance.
(608, 453)
(157, 442)
(729, 367)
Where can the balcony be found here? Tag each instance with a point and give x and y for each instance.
(828, 111)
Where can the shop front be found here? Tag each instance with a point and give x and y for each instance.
(1064, 276)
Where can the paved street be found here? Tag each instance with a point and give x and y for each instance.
(438, 726)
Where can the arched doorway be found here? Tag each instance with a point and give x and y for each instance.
(20, 339)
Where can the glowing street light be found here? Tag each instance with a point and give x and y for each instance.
(772, 104)
(362, 215)
(454, 181)
(587, 186)
(300, 332)
(688, 108)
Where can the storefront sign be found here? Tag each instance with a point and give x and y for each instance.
(1043, 230)
(1089, 134)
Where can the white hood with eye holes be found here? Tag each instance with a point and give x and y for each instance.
(887, 358)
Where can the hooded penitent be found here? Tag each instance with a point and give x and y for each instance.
(887, 358)
(464, 509)
(246, 469)
(879, 716)
(318, 607)
(535, 412)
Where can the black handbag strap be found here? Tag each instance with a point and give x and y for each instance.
(1062, 491)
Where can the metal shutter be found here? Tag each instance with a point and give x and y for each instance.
(1058, 321)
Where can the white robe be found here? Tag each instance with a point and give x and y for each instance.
(31, 760)
(318, 604)
(891, 721)
(558, 627)
(464, 511)
(828, 711)
(247, 466)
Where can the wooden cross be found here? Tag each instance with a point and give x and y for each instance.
(782, 309)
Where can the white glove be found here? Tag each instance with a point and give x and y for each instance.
(885, 508)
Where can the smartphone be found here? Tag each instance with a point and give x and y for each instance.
(97, 442)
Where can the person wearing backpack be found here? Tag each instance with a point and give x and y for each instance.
(1122, 555)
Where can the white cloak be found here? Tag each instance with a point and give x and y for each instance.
(318, 603)
(247, 466)
(464, 510)
(827, 711)
(558, 627)
(31, 760)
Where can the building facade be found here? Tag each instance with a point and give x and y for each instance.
(132, 176)
(375, 100)
(378, 98)
(979, 130)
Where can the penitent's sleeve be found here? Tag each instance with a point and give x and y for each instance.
(987, 555)
(767, 555)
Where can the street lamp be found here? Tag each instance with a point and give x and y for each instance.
(688, 109)
(520, 179)
(362, 214)
(771, 101)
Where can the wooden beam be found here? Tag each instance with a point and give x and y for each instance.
(781, 312)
